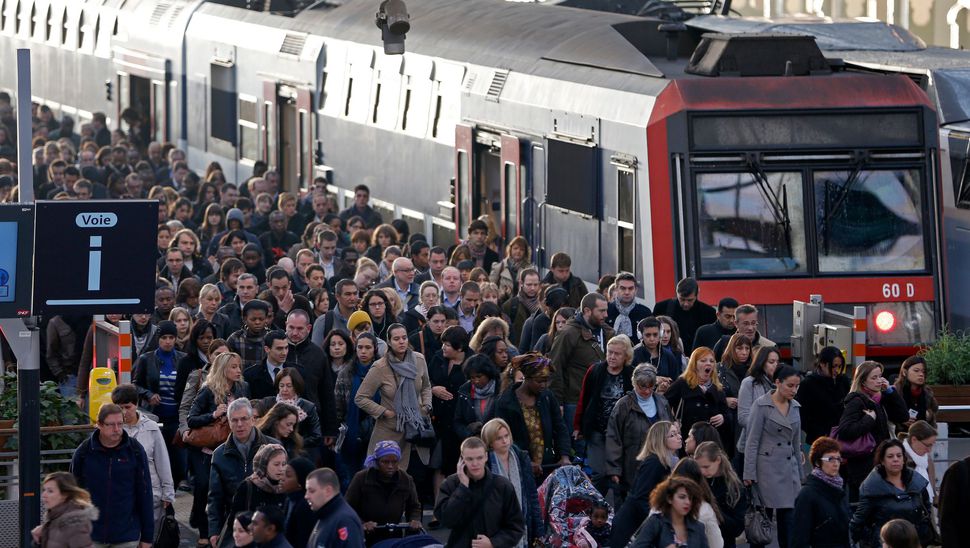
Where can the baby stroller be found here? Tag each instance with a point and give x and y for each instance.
(406, 538)
(566, 499)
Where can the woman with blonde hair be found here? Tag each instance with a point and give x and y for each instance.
(183, 324)
(505, 273)
(397, 307)
(222, 385)
(871, 405)
(210, 298)
(697, 395)
(715, 466)
(70, 514)
(657, 457)
(510, 462)
(489, 327)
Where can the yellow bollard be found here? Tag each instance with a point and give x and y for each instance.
(100, 385)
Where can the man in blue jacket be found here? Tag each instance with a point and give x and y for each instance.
(338, 526)
(114, 469)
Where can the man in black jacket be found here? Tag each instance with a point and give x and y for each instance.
(317, 375)
(689, 312)
(709, 335)
(480, 508)
(625, 312)
(262, 376)
(232, 462)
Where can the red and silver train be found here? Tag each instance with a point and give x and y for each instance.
(749, 159)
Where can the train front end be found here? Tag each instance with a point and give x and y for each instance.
(771, 188)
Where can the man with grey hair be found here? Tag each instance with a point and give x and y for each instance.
(232, 462)
(402, 281)
(627, 427)
(746, 319)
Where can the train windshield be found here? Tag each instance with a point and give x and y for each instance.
(865, 220)
(869, 221)
(751, 223)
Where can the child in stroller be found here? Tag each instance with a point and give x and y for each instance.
(568, 502)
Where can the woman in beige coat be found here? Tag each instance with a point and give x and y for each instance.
(69, 514)
(401, 378)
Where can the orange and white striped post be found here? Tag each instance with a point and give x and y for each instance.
(124, 352)
(859, 326)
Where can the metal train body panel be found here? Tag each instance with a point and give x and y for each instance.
(510, 116)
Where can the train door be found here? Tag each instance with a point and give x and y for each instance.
(286, 114)
(143, 87)
(489, 180)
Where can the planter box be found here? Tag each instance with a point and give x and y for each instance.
(952, 395)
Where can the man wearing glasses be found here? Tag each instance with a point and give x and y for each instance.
(746, 318)
(402, 281)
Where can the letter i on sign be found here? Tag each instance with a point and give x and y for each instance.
(94, 264)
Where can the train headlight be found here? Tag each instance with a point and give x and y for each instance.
(885, 321)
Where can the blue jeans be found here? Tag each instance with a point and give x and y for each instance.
(68, 387)
(568, 414)
(596, 459)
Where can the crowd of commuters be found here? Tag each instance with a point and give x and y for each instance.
(312, 375)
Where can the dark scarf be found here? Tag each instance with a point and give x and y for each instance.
(531, 304)
(834, 481)
(482, 399)
(353, 412)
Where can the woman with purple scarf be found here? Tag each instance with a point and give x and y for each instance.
(822, 506)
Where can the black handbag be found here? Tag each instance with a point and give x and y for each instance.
(759, 527)
(167, 530)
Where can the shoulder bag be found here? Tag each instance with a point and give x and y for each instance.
(209, 436)
(759, 526)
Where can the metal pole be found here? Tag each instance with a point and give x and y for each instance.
(28, 357)
(25, 155)
(24, 340)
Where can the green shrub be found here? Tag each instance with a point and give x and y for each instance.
(948, 358)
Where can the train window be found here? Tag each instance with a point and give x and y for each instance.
(751, 223)
(222, 103)
(18, 15)
(573, 181)
(443, 233)
(33, 21)
(80, 29)
(385, 209)
(248, 130)
(869, 220)
(511, 200)
(626, 205)
(158, 111)
(414, 220)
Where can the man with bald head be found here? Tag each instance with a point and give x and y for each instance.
(402, 281)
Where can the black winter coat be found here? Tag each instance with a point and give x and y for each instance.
(500, 517)
(855, 423)
(698, 406)
(821, 517)
(466, 423)
(733, 524)
(658, 532)
(229, 469)
(590, 399)
(881, 501)
(555, 433)
(955, 504)
(146, 376)
(822, 403)
(636, 506)
(319, 380)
